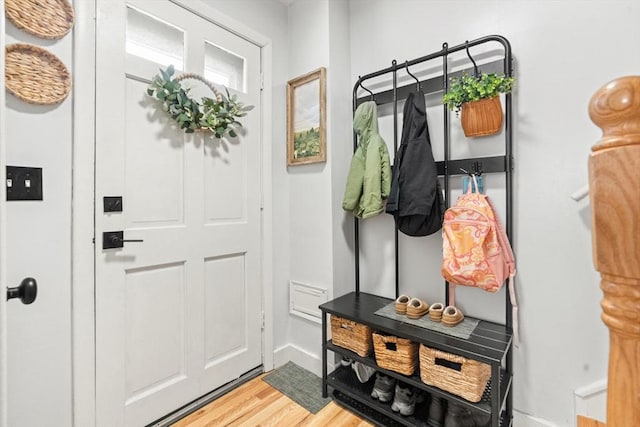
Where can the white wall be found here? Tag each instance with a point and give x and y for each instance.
(564, 51)
(39, 245)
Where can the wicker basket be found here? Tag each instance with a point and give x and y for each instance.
(351, 335)
(36, 75)
(49, 19)
(458, 375)
(395, 354)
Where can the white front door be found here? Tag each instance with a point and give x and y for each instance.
(179, 313)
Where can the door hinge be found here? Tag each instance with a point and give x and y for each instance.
(262, 320)
(261, 81)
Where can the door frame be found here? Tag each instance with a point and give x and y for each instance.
(3, 228)
(83, 227)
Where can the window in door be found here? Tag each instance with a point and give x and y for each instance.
(224, 67)
(154, 40)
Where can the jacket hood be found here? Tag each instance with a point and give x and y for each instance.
(415, 118)
(365, 119)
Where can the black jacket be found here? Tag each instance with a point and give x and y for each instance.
(416, 199)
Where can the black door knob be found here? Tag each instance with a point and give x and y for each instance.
(27, 291)
(115, 239)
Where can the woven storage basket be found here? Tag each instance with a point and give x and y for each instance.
(48, 19)
(35, 75)
(395, 354)
(351, 335)
(458, 375)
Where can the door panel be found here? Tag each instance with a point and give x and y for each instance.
(154, 184)
(178, 314)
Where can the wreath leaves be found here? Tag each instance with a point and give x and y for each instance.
(216, 115)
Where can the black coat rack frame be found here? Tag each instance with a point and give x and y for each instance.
(448, 167)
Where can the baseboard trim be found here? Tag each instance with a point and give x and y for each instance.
(299, 356)
(206, 399)
(521, 419)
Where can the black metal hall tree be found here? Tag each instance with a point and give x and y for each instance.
(490, 343)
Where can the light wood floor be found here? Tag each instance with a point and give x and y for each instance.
(256, 403)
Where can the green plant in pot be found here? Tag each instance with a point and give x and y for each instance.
(477, 98)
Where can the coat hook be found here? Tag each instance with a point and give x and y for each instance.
(477, 168)
(371, 93)
(418, 86)
(475, 66)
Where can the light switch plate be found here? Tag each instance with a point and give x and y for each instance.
(24, 183)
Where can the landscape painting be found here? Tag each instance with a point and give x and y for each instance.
(306, 130)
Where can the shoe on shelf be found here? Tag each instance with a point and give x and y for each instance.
(481, 419)
(458, 416)
(404, 400)
(452, 316)
(416, 308)
(363, 372)
(435, 311)
(346, 361)
(401, 304)
(383, 387)
(436, 411)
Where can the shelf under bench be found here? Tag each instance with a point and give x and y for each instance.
(488, 343)
(414, 380)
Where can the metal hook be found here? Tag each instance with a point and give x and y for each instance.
(371, 93)
(477, 168)
(406, 65)
(475, 66)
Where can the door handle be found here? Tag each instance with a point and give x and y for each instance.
(115, 239)
(27, 291)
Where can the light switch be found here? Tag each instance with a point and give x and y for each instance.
(24, 183)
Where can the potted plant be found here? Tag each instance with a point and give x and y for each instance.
(478, 99)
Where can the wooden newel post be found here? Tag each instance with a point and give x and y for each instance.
(614, 187)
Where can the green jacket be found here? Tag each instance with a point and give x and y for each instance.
(369, 180)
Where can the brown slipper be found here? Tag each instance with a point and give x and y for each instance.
(401, 304)
(452, 316)
(417, 308)
(435, 311)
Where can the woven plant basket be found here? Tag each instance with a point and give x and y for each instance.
(48, 19)
(35, 75)
(483, 117)
(351, 335)
(458, 375)
(395, 354)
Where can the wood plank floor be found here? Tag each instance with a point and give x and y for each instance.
(256, 403)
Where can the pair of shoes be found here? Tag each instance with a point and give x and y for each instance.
(416, 308)
(435, 311)
(401, 304)
(404, 400)
(452, 316)
(383, 387)
(458, 416)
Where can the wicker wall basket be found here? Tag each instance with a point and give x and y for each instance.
(482, 118)
(35, 75)
(351, 335)
(458, 375)
(395, 354)
(48, 19)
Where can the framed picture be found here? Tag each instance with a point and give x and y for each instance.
(306, 118)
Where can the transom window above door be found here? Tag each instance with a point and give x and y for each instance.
(154, 40)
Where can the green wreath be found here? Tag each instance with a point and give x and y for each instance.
(217, 115)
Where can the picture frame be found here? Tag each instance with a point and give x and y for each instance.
(306, 118)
